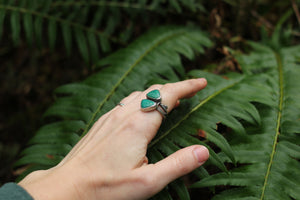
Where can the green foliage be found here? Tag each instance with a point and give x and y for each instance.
(256, 156)
(268, 159)
(223, 101)
(93, 25)
(78, 105)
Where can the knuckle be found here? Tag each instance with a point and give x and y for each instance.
(193, 84)
(155, 86)
(135, 93)
(168, 86)
(130, 96)
(149, 183)
(131, 124)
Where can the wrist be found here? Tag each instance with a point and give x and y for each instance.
(55, 183)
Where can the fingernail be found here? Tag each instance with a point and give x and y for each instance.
(202, 80)
(201, 153)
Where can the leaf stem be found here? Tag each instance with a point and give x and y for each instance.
(278, 121)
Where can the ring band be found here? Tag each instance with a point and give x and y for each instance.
(121, 104)
(153, 102)
(162, 109)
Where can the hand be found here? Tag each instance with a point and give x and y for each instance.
(110, 161)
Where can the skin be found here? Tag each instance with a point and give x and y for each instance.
(110, 161)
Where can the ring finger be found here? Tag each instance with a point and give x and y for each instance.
(171, 93)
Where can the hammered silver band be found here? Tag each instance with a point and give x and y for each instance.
(162, 109)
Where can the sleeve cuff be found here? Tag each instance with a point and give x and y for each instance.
(12, 191)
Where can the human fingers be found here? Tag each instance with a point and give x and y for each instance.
(146, 123)
(173, 92)
(170, 93)
(157, 176)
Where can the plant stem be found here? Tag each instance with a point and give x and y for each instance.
(278, 121)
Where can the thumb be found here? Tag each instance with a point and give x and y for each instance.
(176, 165)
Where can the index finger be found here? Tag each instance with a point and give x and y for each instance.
(172, 92)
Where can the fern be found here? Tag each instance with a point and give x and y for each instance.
(256, 105)
(225, 101)
(79, 104)
(153, 55)
(269, 156)
(92, 25)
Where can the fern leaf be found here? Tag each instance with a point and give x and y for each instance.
(28, 27)
(93, 46)
(82, 44)
(38, 24)
(15, 26)
(40, 14)
(270, 154)
(154, 6)
(67, 35)
(93, 25)
(223, 101)
(2, 18)
(52, 29)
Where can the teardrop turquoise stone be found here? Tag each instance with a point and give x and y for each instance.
(154, 95)
(148, 105)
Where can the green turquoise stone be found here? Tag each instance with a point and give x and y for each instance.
(154, 95)
(148, 105)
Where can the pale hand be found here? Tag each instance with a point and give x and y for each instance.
(110, 161)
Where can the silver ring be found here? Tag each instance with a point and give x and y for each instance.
(121, 104)
(153, 102)
(162, 109)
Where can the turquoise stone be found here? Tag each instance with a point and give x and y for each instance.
(148, 105)
(154, 95)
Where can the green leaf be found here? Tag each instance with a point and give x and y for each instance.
(67, 35)
(15, 27)
(179, 187)
(28, 27)
(52, 33)
(93, 46)
(38, 25)
(2, 19)
(268, 155)
(82, 44)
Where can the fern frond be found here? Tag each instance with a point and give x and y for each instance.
(154, 6)
(223, 101)
(92, 25)
(270, 155)
(79, 105)
(34, 15)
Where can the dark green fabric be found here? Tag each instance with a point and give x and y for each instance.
(12, 191)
